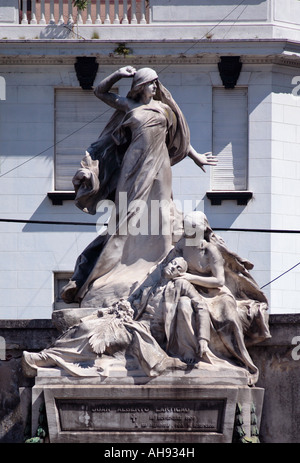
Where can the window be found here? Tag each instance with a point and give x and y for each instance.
(230, 139)
(76, 127)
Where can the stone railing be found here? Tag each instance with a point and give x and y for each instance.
(96, 12)
(122, 21)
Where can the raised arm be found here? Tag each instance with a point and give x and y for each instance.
(102, 91)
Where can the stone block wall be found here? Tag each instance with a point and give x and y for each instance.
(278, 360)
(18, 335)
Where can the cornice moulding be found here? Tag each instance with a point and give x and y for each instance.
(182, 59)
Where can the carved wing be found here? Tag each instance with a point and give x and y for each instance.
(110, 335)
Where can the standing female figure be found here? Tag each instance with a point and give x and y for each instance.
(130, 164)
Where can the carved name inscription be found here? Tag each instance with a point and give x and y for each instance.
(141, 415)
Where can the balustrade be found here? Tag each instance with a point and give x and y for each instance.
(97, 12)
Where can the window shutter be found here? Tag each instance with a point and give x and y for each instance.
(230, 139)
(74, 131)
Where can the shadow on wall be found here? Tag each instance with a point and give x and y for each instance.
(64, 218)
(61, 31)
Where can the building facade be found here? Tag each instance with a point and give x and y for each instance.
(234, 71)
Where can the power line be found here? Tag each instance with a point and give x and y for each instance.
(91, 224)
(94, 224)
(54, 144)
(209, 31)
(48, 222)
(236, 19)
(279, 276)
(256, 230)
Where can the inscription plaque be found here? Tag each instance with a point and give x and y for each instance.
(141, 415)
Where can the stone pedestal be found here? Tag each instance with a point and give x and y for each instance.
(178, 407)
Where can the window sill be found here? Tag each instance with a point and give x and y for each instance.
(215, 197)
(241, 197)
(58, 197)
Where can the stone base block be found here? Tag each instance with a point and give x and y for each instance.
(174, 413)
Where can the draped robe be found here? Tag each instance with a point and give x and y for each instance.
(130, 164)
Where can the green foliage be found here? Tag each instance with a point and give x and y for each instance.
(33, 440)
(81, 4)
(42, 430)
(95, 36)
(239, 435)
(123, 50)
(254, 428)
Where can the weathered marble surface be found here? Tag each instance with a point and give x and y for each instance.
(157, 412)
(165, 317)
(179, 318)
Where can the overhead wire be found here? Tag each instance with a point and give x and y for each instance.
(281, 275)
(54, 144)
(235, 21)
(93, 224)
(207, 33)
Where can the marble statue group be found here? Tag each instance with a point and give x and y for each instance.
(167, 296)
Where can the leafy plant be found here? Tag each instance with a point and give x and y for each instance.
(81, 4)
(95, 35)
(123, 50)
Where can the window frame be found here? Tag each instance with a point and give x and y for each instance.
(242, 196)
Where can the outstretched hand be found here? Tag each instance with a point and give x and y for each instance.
(206, 159)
